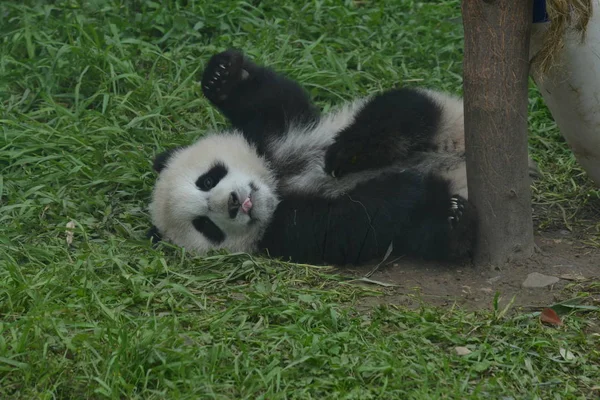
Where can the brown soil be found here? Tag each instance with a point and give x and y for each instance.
(560, 255)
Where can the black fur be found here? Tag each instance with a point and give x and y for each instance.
(410, 211)
(154, 235)
(416, 213)
(161, 160)
(211, 178)
(391, 126)
(257, 101)
(208, 228)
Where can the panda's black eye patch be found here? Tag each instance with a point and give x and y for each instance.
(208, 228)
(210, 179)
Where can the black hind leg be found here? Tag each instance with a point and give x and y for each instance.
(389, 128)
(257, 100)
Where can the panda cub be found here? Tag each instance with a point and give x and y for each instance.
(334, 189)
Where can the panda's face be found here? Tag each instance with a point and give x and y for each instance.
(216, 193)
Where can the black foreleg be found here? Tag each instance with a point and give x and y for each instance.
(257, 100)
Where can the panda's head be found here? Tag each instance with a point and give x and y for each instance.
(216, 193)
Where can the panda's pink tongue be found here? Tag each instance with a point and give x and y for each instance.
(246, 205)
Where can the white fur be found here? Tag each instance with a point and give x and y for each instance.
(450, 161)
(451, 132)
(177, 201)
(310, 143)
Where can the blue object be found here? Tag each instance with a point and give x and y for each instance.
(539, 11)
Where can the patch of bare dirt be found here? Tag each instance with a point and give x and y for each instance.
(561, 255)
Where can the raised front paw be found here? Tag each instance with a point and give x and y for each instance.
(223, 72)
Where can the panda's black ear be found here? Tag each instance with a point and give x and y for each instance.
(154, 235)
(160, 161)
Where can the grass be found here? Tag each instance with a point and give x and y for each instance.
(90, 91)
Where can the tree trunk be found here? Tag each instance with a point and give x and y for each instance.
(495, 103)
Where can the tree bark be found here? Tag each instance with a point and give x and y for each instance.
(495, 86)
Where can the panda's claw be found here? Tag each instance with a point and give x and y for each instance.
(457, 208)
(222, 74)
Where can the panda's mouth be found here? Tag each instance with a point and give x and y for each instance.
(250, 207)
(244, 206)
(250, 203)
(244, 202)
(240, 203)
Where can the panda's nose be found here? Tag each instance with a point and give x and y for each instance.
(233, 205)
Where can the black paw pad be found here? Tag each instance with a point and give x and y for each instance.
(223, 72)
(457, 208)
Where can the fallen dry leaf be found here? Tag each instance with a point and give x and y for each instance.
(550, 316)
(70, 227)
(462, 351)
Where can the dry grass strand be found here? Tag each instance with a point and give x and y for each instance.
(565, 15)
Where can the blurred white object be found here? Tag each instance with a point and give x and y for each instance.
(571, 91)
